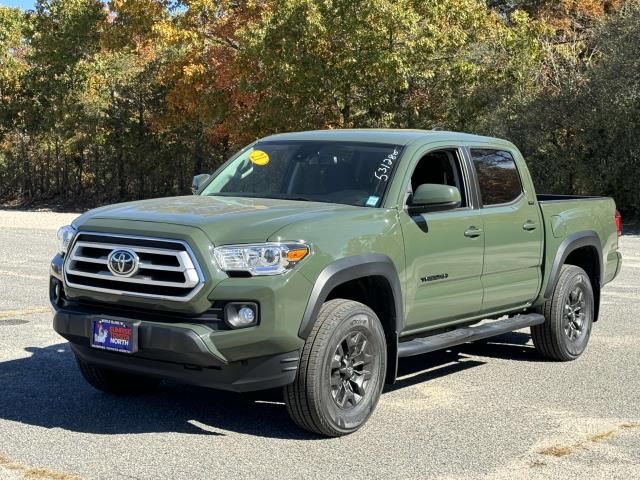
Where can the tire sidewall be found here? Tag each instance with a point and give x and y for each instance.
(364, 320)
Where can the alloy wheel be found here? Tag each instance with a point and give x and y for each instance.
(575, 314)
(350, 370)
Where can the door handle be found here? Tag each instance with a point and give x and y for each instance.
(473, 232)
(529, 226)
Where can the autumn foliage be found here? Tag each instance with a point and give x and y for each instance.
(109, 101)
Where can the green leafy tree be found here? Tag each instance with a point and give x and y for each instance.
(106, 101)
(376, 63)
(578, 129)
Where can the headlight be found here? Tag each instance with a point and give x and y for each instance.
(260, 259)
(65, 235)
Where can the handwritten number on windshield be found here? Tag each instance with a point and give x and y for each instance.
(382, 172)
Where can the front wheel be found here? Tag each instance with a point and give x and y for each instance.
(341, 372)
(568, 317)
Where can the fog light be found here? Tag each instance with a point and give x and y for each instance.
(241, 315)
(246, 315)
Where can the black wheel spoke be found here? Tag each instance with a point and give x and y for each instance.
(344, 348)
(357, 386)
(341, 396)
(349, 395)
(352, 341)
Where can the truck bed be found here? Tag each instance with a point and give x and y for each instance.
(551, 197)
(567, 215)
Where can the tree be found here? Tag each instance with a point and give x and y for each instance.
(106, 101)
(373, 63)
(578, 131)
(13, 50)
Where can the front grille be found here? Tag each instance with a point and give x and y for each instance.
(166, 269)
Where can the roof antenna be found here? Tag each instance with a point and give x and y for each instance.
(437, 129)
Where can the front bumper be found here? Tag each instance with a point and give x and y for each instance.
(182, 349)
(192, 345)
(179, 353)
(281, 299)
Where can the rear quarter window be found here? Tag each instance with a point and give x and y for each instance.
(498, 176)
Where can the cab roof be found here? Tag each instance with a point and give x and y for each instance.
(382, 135)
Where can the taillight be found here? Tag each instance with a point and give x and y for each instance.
(618, 223)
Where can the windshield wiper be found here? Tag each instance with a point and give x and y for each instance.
(274, 197)
(301, 199)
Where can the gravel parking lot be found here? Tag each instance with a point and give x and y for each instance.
(481, 411)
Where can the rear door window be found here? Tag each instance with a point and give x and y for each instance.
(497, 175)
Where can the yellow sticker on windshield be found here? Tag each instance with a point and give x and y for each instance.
(259, 157)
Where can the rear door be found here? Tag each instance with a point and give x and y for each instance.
(513, 231)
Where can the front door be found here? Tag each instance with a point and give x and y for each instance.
(444, 250)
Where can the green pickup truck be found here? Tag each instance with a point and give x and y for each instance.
(313, 261)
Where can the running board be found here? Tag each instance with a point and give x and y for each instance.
(462, 335)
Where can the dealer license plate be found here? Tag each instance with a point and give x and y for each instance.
(114, 335)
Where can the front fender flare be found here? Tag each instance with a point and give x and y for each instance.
(351, 268)
(344, 270)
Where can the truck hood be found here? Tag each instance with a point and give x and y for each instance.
(224, 220)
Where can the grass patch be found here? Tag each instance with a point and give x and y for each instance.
(603, 437)
(29, 473)
(564, 450)
(44, 474)
(630, 425)
(8, 464)
(558, 450)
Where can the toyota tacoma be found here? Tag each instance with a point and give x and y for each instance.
(313, 261)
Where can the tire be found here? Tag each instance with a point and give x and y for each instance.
(333, 394)
(115, 382)
(568, 317)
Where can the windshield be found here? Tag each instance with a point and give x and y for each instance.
(350, 173)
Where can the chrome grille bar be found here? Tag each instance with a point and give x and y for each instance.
(170, 273)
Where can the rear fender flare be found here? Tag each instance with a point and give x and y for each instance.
(572, 242)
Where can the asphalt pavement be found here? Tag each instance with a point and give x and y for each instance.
(492, 410)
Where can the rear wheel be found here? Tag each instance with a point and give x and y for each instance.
(341, 372)
(568, 317)
(116, 382)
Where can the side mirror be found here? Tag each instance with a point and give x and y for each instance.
(197, 182)
(432, 197)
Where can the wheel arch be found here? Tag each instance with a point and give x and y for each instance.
(584, 250)
(371, 279)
